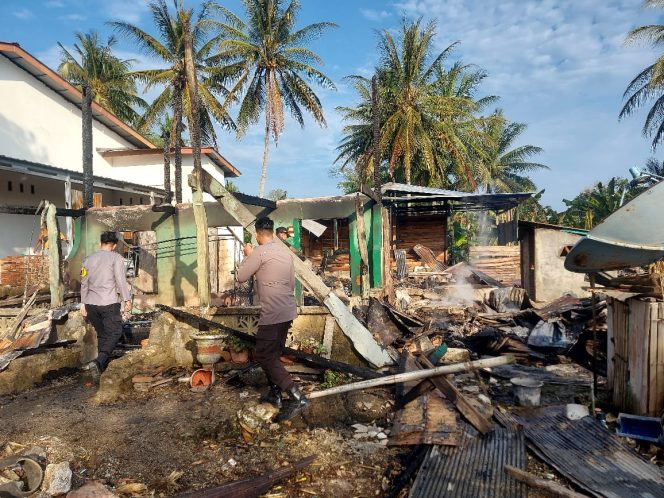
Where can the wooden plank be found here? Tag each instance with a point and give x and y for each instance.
(427, 419)
(54, 277)
(251, 487)
(659, 394)
(459, 400)
(11, 330)
(651, 342)
(552, 488)
(610, 338)
(362, 340)
(637, 402)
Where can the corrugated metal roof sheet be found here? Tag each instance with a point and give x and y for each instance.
(593, 458)
(418, 199)
(475, 469)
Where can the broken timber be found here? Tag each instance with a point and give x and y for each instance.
(460, 401)
(253, 486)
(417, 375)
(319, 361)
(362, 340)
(552, 488)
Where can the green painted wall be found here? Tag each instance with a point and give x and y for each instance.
(375, 256)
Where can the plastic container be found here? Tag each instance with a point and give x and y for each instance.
(527, 391)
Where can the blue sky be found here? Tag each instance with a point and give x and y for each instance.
(559, 65)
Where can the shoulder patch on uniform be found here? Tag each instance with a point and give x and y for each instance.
(84, 271)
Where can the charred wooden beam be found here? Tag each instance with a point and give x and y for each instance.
(313, 359)
(251, 487)
(32, 210)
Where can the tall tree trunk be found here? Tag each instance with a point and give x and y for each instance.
(376, 136)
(86, 114)
(202, 247)
(406, 167)
(177, 140)
(166, 137)
(266, 152)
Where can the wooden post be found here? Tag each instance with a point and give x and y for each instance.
(54, 276)
(388, 285)
(202, 249)
(416, 375)
(362, 340)
(362, 244)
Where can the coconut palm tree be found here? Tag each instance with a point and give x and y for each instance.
(654, 167)
(593, 205)
(504, 167)
(274, 66)
(648, 85)
(169, 47)
(429, 115)
(103, 78)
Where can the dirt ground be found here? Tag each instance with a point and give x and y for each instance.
(147, 437)
(174, 440)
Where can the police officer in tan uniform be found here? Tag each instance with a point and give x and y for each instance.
(273, 267)
(103, 288)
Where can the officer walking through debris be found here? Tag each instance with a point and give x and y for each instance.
(103, 288)
(275, 278)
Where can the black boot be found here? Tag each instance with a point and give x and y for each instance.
(297, 402)
(273, 396)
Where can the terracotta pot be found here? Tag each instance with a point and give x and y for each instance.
(240, 356)
(208, 347)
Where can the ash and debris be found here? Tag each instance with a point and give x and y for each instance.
(169, 439)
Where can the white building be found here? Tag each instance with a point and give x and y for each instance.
(41, 150)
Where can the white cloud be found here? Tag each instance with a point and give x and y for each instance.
(23, 14)
(72, 17)
(375, 15)
(561, 66)
(126, 10)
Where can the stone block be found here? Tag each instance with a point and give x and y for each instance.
(57, 479)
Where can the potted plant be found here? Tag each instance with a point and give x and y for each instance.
(239, 350)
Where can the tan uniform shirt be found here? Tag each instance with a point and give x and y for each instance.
(103, 279)
(275, 278)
